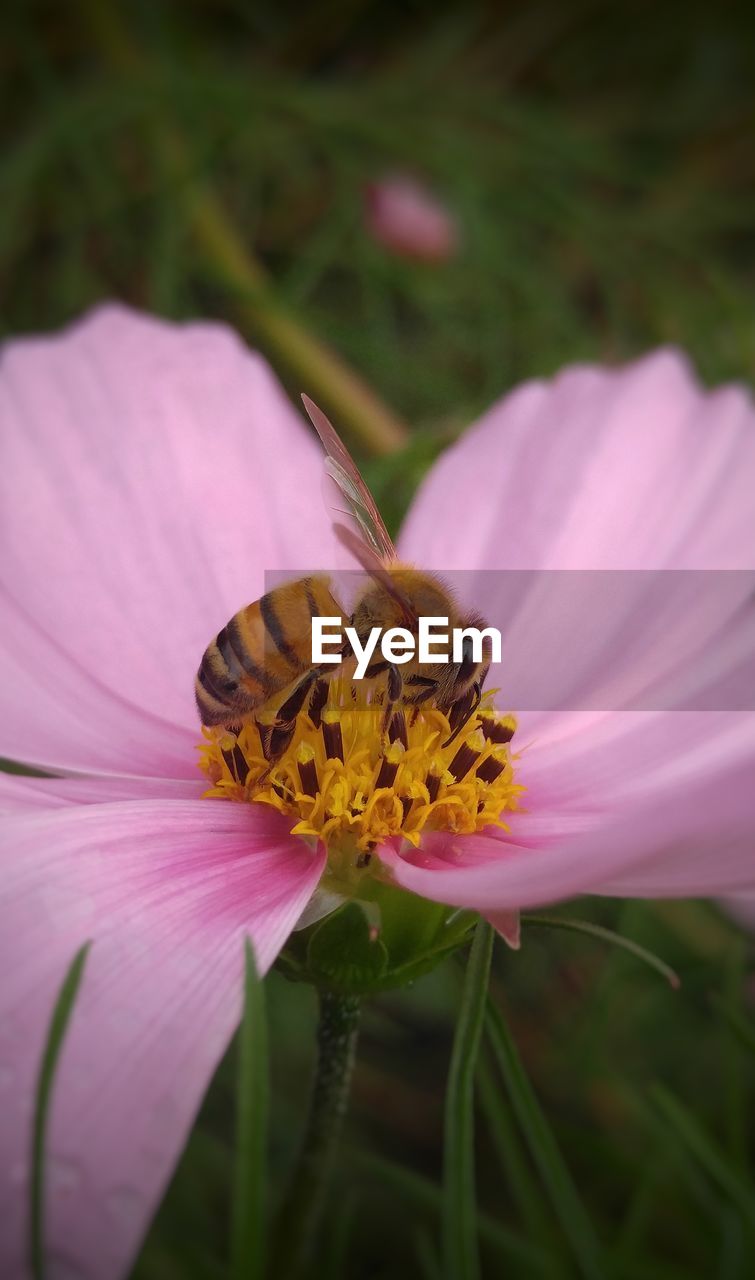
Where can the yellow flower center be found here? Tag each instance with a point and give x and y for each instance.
(349, 785)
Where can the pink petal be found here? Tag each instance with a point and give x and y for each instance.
(605, 470)
(508, 925)
(152, 474)
(167, 890)
(58, 714)
(629, 469)
(618, 469)
(618, 641)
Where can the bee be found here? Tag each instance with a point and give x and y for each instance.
(259, 667)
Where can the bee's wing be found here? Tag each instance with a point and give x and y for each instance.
(377, 569)
(342, 469)
(370, 542)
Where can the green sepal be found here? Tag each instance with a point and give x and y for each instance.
(384, 939)
(344, 954)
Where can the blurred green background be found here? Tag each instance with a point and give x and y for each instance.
(209, 159)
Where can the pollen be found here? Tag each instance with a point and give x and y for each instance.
(346, 780)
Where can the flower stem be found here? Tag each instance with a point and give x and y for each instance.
(301, 1211)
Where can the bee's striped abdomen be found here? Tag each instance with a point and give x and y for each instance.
(262, 650)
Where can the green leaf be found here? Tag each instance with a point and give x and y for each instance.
(55, 1036)
(248, 1207)
(705, 1151)
(557, 1180)
(610, 936)
(460, 1249)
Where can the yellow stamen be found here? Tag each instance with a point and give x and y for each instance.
(342, 781)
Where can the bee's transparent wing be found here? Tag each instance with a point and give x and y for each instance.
(343, 471)
(369, 542)
(377, 568)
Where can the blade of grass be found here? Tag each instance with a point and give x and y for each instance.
(424, 1194)
(607, 935)
(557, 1180)
(460, 1247)
(735, 1065)
(741, 1026)
(706, 1152)
(425, 1252)
(55, 1036)
(520, 1181)
(644, 1203)
(248, 1208)
(338, 1236)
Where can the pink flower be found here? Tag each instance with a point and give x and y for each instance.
(403, 216)
(152, 473)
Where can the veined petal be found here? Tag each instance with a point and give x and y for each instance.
(157, 472)
(56, 714)
(633, 468)
(616, 641)
(166, 890)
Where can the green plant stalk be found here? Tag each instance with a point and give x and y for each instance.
(300, 1214)
(610, 936)
(460, 1243)
(318, 370)
(55, 1036)
(248, 1208)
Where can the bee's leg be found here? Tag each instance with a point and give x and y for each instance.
(317, 700)
(393, 691)
(414, 691)
(462, 710)
(419, 688)
(276, 738)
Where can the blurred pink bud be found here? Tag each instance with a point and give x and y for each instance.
(404, 217)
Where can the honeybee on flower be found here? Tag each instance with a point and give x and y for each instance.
(368, 763)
